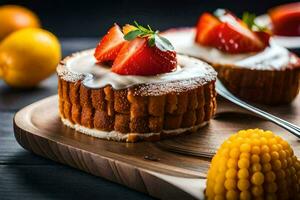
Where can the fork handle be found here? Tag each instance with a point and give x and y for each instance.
(295, 130)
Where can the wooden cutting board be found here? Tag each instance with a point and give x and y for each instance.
(152, 168)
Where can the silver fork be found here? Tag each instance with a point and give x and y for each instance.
(292, 128)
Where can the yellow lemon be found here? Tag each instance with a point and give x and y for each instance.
(28, 56)
(263, 166)
(13, 17)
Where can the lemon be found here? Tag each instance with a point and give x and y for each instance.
(28, 56)
(13, 17)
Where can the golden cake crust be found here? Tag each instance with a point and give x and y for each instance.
(120, 110)
(262, 86)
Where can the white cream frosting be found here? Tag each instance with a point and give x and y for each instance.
(272, 57)
(118, 136)
(190, 72)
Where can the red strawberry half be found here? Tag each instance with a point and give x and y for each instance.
(229, 34)
(138, 58)
(206, 24)
(235, 38)
(286, 19)
(110, 45)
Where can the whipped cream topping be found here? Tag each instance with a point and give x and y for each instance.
(118, 136)
(189, 74)
(273, 57)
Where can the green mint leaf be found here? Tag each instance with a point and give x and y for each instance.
(132, 34)
(135, 23)
(153, 37)
(249, 19)
(162, 43)
(149, 28)
(141, 28)
(151, 41)
(144, 29)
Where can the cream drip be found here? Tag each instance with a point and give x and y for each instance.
(273, 57)
(118, 136)
(82, 66)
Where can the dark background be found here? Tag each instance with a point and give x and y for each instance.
(86, 18)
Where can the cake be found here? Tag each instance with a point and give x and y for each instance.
(124, 101)
(252, 67)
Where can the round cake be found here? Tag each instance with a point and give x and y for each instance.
(98, 102)
(269, 75)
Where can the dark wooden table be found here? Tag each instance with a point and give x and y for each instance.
(24, 175)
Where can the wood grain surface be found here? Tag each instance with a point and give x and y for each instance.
(38, 129)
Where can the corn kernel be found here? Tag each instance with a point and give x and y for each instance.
(219, 197)
(256, 167)
(271, 187)
(219, 188)
(274, 147)
(270, 176)
(266, 167)
(234, 153)
(243, 184)
(255, 150)
(275, 155)
(276, 165)
(265, 149)
(283, 163)
(230, 184)
(231, 173)
(245, 195)
(232, 195)
(232, 163)
(266, 158)
(243, 173)
(257, 178)
(220, 178)
(257, 191)
(280, 174)
(245, 148)
(263, 141)
(245, 155)
(243, 163)
(255, 158)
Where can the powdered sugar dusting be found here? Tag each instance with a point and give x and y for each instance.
(190, 74)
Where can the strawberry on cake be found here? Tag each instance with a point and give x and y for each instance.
(285, 19)
(248, 62)
(133, 87)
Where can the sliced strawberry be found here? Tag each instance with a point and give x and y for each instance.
(110, 45)
(263, 36)
(235, 38)
(206, 24)
(138, 58)
(286, 19)
(228, 34)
